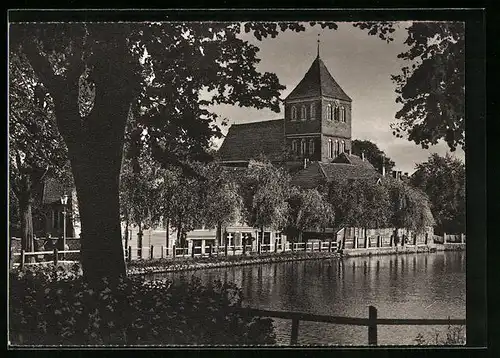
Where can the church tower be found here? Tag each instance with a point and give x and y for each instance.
(318, 116)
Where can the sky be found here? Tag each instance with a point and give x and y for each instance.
(362, 65)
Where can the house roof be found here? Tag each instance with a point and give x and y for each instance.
(318, 82)
(317, 173)
(248, 141)
(353, 159)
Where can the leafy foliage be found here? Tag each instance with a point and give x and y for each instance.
(410, 207)
(60, 308)
(432, 88)
(36, 149)
(308, 210)
(264, 191)
(443, 180)
(358, 203)
(373, 154)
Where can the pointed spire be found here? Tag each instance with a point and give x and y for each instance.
(318, 45)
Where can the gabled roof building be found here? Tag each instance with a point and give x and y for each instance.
(314, 135)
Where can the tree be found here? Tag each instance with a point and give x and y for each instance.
(264, 190)
(410, 207)
(221, 198)
(96, 73)
(139, 195)
(36, 150)
(359, 203)
(373, 154)
(307, 210)
(443, 180)
(432, 89)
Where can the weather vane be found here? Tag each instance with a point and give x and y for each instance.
(318, 44)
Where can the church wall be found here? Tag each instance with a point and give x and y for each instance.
(325, 144)
(299, 126)
(317, 148)
(336, 128)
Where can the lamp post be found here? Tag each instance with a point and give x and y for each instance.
(64, 202)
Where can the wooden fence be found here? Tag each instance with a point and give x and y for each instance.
(372, 322)
(197, 251)
(227, 250)
(54, 255)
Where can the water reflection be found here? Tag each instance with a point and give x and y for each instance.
(411, 286)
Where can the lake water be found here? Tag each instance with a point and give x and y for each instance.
(405, 286)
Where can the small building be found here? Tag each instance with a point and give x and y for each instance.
(55, 213)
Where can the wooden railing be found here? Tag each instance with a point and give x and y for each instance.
(372, 322)
(56, 255)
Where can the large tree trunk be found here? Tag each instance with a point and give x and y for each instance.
(95, 143)
(95, 157)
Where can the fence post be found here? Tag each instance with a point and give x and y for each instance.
(276, 245)
(426, 236)
(56, 258)
(372, 326)
(173, 251)
(259, 247)
(462, 238)
(320, 244)
(243, 241)
(391, 242)
(23, 258)
(378, 240)
(225, 248)
(444, 238)
(210, 250)
(162, 251)
(367, 242)
(151, 253)
(192, 250)
(295, 331)
(292, 245)
(355, 243)
(130, 254)
(415, 239)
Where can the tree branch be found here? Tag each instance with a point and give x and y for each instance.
(40, 64)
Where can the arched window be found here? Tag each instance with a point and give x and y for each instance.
(342, 114)
(329, 112)
(342, 147)
(294, 113)
(303, 147)
(294, 146)
(336, 113)
(330, 148)
(313, 111)
(336, 148)
(311, 146)
(303, 113)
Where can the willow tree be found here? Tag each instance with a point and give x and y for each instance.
(308, 209)
(265, 191)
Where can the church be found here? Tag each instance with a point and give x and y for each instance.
(313, 140)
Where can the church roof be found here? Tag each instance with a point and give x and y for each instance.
(317, 173)
(353, 159)
(248, 141)
(318, 82)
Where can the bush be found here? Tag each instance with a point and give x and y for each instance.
(455, 335)
(60, 308)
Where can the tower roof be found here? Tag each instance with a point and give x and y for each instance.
(318, 82)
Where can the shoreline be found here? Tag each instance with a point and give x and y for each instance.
(157, 266)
